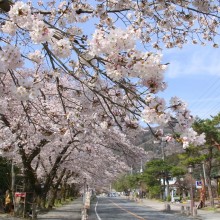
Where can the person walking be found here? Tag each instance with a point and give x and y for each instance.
(7, 201)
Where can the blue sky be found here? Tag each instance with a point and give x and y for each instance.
(194, 76)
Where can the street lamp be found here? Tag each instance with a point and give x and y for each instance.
(190, 171)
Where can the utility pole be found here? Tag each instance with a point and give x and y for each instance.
(163, 140)
(190, 171)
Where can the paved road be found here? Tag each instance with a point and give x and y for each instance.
(120, 209)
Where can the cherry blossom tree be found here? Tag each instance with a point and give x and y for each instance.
(76, 77)
(50, 34)
(45, 142)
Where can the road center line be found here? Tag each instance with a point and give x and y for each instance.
(96, 211)
(131, 213)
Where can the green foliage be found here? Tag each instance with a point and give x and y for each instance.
(177, 171)
(208, 153)
(168, 198)
(212, 133)
(154, 191)
(192, 156)
(157, 167)
(154, 172)
(5, 175)
(126, 182)
(208, 127)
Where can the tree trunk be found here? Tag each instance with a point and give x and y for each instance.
(53, 198)
(55, 189)
(43, 199)
(202, 194)
(208, 176)
(64, 192)
(211, 199)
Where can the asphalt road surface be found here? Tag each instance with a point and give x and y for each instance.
(116, 208)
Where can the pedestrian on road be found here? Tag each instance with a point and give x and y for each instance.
(7, 201)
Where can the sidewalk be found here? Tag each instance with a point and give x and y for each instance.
(71, 211)
(176, 207)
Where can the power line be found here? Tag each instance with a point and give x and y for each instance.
(206, 93)
(212, 110)
(206, 99)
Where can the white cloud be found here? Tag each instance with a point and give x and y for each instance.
(192, 60)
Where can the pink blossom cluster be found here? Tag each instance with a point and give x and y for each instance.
(117, 39)
(157, 112)
(40, 32)
(36, 56)
(154, 111)
(10, 57)
(61, 48)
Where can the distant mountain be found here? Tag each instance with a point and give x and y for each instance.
(153, 147)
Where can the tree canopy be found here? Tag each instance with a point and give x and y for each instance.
(75, 81)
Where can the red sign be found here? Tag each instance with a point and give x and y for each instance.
(20, 194)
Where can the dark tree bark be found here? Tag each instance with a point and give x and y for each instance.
(208, 175)
(55, 189)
